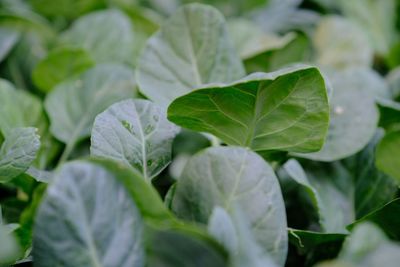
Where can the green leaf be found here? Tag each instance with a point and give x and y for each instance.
(376, 18)
(234, 233)
(340, 43)
(188, 250)
(18, 152)
(330, 189)
(387, 154)
(170, 67)
(73, 105)
(135, 132)
(316, 245)
(230, 176)
(284, 110)
(351, 126)
(9, 249)
(110, 38)
(8, 38)
(250, 40)
(59, 65)
(385, 217)
(393, 80)
(373, 188)
(64, 8)
(87, 218)
(368, 246)
(389, 113)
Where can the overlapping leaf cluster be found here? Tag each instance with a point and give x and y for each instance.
(221, 133)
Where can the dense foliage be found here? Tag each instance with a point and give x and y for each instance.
(246, 133)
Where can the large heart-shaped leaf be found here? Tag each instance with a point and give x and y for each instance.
(73, 105)
(87, 218)
(284, 110)
(18, 152)
(135, 132)
(110, 38)
(170, 67)
(230, 176)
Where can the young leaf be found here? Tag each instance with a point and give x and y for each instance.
(18, 152)
(387, 154)
(351, 126)
(87, 218)
(59, 65)
(285, 110)
(73, 105)
(135, 132)
(224, 176)
(170, 67)
(9, 248)
(110, 38)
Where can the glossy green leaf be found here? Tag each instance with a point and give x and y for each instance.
(230, 176)
(87, 218)
(284, 110)
(135, 132)
(373, 188)
(351, 126)
(170, 67)
(387, 154)
(316, 245)
(340, 43)
(18, 152)
(59, 65)
(385, 217)
(73, 105)
(8, 38)
(110, 38)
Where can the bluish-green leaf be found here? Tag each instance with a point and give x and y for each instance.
(135, 132)
(170, 67)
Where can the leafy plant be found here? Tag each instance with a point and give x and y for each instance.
(175, 134)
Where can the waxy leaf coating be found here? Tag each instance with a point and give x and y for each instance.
(17, 152)
(191, 49)
(285, 110)
(135, 132)
(87, 219)
(230, 176)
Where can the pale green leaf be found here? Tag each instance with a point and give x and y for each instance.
(340, 43)
(284, 110)
(17, 152)
(87, 218)
(135, 132)
(73, 105)
(8, 38)
(110, 38)
(352, 125)
(170, 67)
(230, 176)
